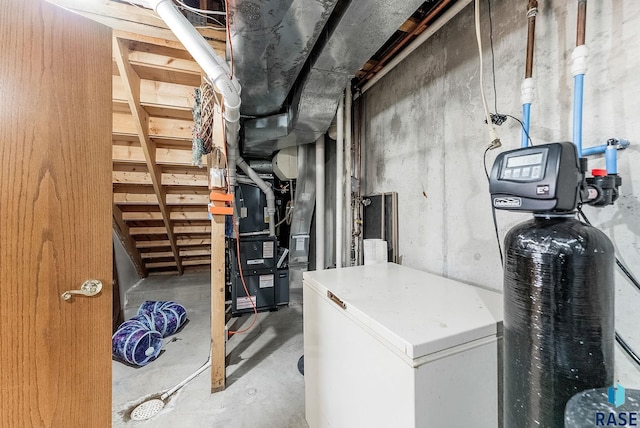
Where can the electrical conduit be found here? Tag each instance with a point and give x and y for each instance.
(528, 85)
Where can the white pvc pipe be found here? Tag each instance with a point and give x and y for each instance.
(266, 188)
(212, 64)
(339, 181)
(217, 71)
(347, 174)
(430, 31)
(320, 203)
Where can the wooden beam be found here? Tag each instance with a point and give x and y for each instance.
(173, 44)
(218, 266)
(183, 253)
(134, 154)
(172, 264)
(135, 20)
(152, 199)
(122, 231)
(131, 83)
(157, 94)
(181, 242)
(176, 214)
(165, 62)
(157, 127)
(159, 230)
(168, 179)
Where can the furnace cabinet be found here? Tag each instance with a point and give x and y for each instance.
(388, 346)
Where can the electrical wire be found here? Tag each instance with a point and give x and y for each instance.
(493, 70)
(630, 352)
(144, 9)
(495, 140)
(206, 17)
(493, 209)
(244, 286)
(237, 235)
(625, 346)
(202, 11)
(226, 6)
(620, 265)
(493, 58)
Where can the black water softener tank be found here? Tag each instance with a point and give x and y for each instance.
(558, 319)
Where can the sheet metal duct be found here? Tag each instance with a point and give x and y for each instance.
(351, 39)
(304, 205)
(271, 41)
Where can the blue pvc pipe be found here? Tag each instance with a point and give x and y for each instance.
(526, 118)
(578, 92)
(611, 158)
(595, 150)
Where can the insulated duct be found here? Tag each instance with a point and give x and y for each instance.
(351, 36)
(271, 42)
(304, 202)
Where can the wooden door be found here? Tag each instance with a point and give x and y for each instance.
(55, 217)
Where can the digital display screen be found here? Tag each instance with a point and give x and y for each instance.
(516, 161)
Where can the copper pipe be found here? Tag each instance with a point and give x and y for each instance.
(532, 10)
(582, 22)
(415, 32)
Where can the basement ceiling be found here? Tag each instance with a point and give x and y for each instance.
(159, 198)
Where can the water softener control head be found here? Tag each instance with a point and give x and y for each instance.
(541, 179)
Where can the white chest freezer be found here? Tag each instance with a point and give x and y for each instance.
(388, 346)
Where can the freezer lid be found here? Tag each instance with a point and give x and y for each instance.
(416, 312)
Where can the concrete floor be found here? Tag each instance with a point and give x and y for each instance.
(264, 387)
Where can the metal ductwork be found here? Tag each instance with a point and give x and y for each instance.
(268, 60)
(271, 41)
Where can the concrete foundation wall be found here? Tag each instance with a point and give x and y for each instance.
(127, 275)
(425, 133)
(425, 137)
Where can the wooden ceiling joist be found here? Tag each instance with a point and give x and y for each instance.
(154, 230)
(134, 154)
(175, 215)
(154, 93)
(168, 179)
(142, 123)
(186, 242)
(136, 22)
(183, 253)
(166, 199)
(200, 262)
(157, 127)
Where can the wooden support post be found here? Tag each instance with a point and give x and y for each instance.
(218, 332)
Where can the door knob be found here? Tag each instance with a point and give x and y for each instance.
(90, 288)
